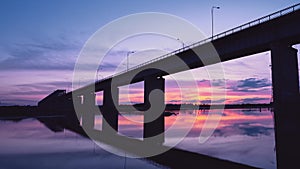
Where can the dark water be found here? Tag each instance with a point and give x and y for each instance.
(244, 136)
(29, 144)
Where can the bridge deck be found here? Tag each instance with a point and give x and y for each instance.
(251, 38)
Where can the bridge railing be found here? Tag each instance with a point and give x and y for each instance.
(217, 36)
(258, 21)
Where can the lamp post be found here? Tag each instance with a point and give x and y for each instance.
(212, 20)
(79, 82)
(128, 53)
(181, 42)
(68, 85)
(99, 68)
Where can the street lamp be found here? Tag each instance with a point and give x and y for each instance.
(128, 53)
(181, 42)
(79, 82)
(68, 84)
(99, 68)
(212, 20)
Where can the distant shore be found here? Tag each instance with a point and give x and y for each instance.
(32, 111)
(171, 107)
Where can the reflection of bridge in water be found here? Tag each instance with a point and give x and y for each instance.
(276, 33)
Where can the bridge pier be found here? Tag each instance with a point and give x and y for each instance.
(154, 100)
(285, 80)
(78, 109)
(88, 116)
(110, 112)
(70, 113)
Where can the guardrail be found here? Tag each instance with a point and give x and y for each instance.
(210, 39)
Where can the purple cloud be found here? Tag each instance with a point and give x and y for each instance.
(250, 85)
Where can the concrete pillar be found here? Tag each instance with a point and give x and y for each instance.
(70, 113)
(285, 74)
(88, 116)
(78, 107)
(109, 110)
(154, 100)
(285, 81)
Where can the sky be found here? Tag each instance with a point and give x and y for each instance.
(41, 41)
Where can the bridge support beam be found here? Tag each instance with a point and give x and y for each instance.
(72, 119)
(88, 116)
(110, 112)
(154, 100)
(79, 105)
(285, 81)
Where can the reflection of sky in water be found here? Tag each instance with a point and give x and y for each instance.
(244, 136)
(29, 144)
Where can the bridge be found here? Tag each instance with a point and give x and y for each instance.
(276, 32)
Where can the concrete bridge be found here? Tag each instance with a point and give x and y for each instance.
(276, 32)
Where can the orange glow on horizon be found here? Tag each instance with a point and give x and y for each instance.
(174, 95)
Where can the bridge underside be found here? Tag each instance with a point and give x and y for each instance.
(286, 103)
(153, 107)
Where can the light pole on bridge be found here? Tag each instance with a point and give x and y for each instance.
(99, 68)
(179, 40)
(128, 53)
(212, 20)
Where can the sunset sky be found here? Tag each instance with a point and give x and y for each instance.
(41, 40)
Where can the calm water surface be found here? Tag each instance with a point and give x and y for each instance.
(244, 136)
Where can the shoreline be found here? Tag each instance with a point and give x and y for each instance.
(33, 111)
